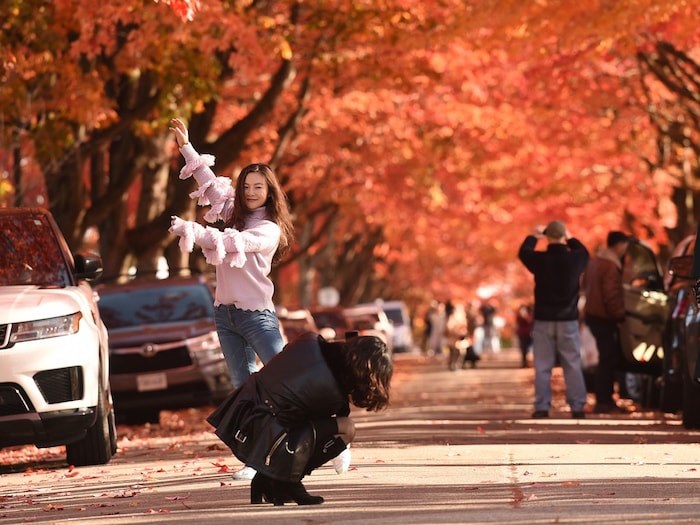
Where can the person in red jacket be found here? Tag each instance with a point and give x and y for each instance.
(604, 310)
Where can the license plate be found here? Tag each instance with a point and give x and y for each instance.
(148, 382)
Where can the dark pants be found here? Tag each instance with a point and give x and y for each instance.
(525, 342)
(607, 338)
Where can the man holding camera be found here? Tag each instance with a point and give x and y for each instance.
(557, 272)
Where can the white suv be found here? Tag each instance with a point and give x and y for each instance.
(54, 367)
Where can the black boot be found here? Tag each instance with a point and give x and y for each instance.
(293, 491)
(261, 488)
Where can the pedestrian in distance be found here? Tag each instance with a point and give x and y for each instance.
(488, 315)
(291, 417)
(437, 318)
(471, 355)
(456, 334)
(557, 273)
(524, 322)
(257, 231)
(603, 312)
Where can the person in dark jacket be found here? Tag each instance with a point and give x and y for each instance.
(605, 310)
(291, 417)
(557, 272)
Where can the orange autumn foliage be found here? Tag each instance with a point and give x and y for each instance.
(433, 135)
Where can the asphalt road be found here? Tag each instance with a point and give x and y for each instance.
(454, 447)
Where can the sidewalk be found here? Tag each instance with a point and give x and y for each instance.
(455, 447)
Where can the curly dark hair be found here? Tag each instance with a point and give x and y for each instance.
(369, 369)
(276, 206)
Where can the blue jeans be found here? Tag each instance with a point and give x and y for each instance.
(552, 338)
(243, 334)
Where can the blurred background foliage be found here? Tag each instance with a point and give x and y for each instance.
(418, 142)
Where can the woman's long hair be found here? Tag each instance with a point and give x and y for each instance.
(369, 368)
(276, 207)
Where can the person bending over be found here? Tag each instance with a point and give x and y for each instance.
(291, 416)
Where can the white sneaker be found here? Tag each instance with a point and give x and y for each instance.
(245, 473)
(341, 462)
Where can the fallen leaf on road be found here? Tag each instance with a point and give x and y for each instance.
(125, 494)
(223, 468)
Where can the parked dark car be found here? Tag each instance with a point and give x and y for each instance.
(661, 330)
(164, 349)
(646, 307)
(683, 368)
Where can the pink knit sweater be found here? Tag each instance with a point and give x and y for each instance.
(243, 259)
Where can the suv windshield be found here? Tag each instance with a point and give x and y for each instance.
(30, 253)
(173, 304)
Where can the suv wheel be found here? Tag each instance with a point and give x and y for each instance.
(99, 444)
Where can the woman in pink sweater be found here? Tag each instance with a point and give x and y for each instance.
(257, 231)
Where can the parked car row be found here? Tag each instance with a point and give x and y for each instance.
(388, 320)
(662, 328)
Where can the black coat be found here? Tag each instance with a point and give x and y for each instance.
(557, 274)
(268, 422)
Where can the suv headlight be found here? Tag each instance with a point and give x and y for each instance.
(45, 328)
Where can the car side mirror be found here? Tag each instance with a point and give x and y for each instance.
(681, 267)
(88, 266)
